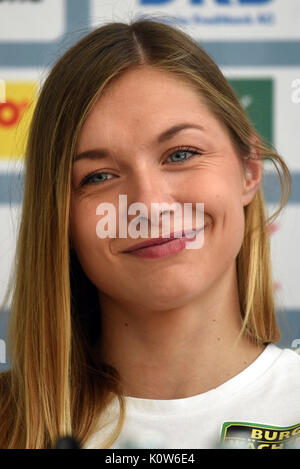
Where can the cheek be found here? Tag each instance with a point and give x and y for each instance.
(230, 225)
(83, 222)
(225, 207)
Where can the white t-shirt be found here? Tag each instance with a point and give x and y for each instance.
(257, 408)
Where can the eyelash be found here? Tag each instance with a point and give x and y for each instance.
(87, 179)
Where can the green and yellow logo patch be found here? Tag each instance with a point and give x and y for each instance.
(255, 436)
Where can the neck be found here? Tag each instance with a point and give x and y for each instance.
(178, 352)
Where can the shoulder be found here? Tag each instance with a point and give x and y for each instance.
(276, 368)
(290, 356)
(288, 365)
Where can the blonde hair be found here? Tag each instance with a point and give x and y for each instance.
(54, 387)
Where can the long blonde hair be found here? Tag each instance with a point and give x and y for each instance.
(53, 387)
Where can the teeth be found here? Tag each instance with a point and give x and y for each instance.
(192, 234)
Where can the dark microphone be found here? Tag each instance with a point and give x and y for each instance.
(67, 442)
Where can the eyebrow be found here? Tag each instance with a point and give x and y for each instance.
(100, 153)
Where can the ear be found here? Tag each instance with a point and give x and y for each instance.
(252, 173)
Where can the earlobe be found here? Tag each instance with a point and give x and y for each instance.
(252, 177)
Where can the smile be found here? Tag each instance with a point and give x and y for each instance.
(164, 248)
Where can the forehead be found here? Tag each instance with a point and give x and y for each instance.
(143, 101)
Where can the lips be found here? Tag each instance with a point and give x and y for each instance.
(161, 240)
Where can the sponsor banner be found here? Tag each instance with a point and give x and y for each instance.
(256, 97)
(271, 97)
(31, 20)
(218, 20)
(15, 116)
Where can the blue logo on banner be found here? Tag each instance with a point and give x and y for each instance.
(201, 2)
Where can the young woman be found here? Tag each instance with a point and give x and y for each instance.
(109, 340)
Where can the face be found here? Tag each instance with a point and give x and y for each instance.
(193, 165)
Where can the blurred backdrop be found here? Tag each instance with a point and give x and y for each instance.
(256, 43)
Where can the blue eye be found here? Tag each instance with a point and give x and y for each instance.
(95, 178)
(181, 151)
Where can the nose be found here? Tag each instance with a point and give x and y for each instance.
(151, 197)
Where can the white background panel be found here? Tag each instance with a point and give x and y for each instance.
(269, 19)
(285, 256)
(31, 21)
